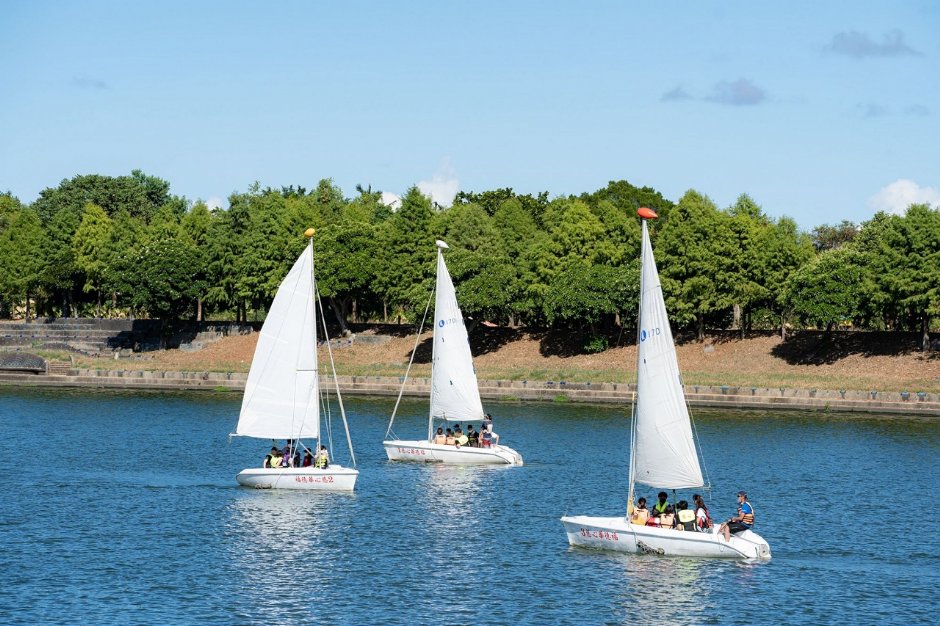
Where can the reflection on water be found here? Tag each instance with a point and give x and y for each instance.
(653, 583)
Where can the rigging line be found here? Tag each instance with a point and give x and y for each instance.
(325, 408)
(414, 350)
(339, 396)
(698, 444)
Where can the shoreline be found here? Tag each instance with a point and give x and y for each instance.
(872, 401)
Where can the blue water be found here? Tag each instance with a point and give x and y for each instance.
(122, 508)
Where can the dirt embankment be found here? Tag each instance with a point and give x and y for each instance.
(841, 360)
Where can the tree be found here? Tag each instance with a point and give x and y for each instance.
(63, 271)
(576, 242)
(627, 199)
(830, 289)
(521, 240)
(692, 249)
(138, 194)
(195, 230)
(92, 251)
(783, 250)
(745, 269)
(828, 237)
(345, 264)
(9, 205)
(908, 265)
(405, 276)
(159, 280)
(22, 262)
(478, 262)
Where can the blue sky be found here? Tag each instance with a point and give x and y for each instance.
(821, 111)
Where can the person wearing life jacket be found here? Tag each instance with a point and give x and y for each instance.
(473, 437)
(685, 517)
(269, 457)
(277, 460)
(744, 520)
(640, 514)
(660, 507)
(308, 458)
(668, 518)
(702, 519)
(322, 459)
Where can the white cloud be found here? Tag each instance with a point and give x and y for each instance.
(215, 203)
(896, 197)
(391, 200)
(675, 95)
(443, 186)
(742, 92)
(860, 45)
(89, 82)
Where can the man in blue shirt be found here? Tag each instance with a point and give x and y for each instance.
(744, 520)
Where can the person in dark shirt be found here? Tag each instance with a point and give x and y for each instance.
(473, 437)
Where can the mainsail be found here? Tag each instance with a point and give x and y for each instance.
(281, 398)
(664, 452)
(454, 392)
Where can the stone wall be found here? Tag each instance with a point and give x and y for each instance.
(873, 401)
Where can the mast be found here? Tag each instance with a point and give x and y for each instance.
(441, 246)
(309, 233)
(645, 214)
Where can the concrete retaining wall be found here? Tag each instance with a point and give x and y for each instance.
(908, 403)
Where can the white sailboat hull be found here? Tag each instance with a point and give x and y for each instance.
(333, 478)
(427, 452)
(617, 533)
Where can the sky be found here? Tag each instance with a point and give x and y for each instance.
(819, 111)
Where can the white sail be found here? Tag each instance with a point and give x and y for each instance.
(281, 398)
(455, 395)
(663, 448)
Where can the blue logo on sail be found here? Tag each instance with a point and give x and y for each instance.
(652, 333)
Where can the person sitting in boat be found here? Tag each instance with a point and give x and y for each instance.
(744, 520)
(668, 518)
(660, 507)
(275, 459)
(486, 438)
(287, 454)
(641, 514)
(322, 459)
(308, 458)
(449, 438)
(269, 457)
(439, 437)
(702, 519)
(473, 437)
(684, 517)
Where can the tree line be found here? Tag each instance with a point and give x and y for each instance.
(125, 246)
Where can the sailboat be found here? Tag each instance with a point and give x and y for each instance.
(455, 395)
(663, 452)
(282, 393)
